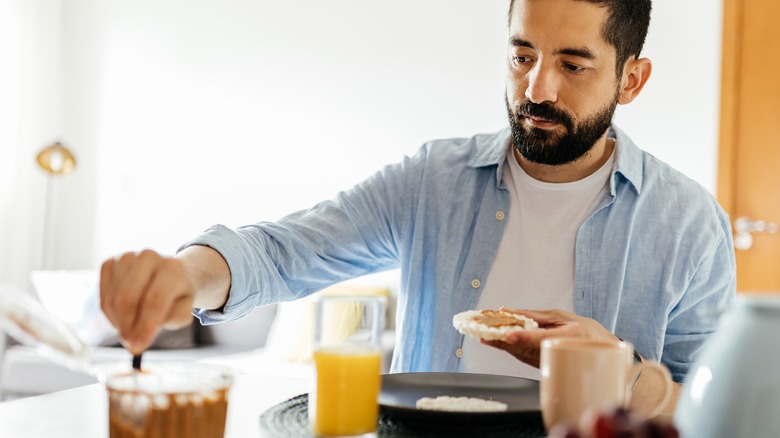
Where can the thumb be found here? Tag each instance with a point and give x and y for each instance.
(527, 338)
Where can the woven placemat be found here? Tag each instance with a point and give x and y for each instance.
(290, 419)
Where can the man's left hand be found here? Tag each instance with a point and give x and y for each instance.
(526, 345)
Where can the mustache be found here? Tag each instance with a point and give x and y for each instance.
(543, 111)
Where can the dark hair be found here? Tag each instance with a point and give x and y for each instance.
(625, 28)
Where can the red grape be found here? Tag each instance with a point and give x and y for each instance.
(616, 423)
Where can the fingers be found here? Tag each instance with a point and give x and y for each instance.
(131, 280)
(525, 353)
(525, 345)
(139, 293)
(529, 339)
(558, 323)
(113, 288)
(544, 318)
(166, 298)
(106, 280)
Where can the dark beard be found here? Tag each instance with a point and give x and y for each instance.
(545, 147)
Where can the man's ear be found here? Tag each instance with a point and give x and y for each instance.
(636, 72)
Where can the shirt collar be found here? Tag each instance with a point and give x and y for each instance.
(491, 150)
(628, 161)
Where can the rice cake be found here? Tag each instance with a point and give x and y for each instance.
(491, 325)
(460, 404)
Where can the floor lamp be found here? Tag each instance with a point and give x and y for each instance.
(56, 160)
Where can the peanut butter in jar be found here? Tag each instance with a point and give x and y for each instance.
(187, 400)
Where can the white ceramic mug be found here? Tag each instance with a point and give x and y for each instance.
(585, 374)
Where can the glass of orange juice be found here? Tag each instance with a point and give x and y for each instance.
(347, 361)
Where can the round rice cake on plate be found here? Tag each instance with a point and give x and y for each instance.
(491, 325)
(460, 404)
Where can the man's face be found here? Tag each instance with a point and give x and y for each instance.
(562, 88)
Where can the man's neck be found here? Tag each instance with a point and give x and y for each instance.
(574, 171)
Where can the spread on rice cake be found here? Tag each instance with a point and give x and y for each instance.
(491, 325)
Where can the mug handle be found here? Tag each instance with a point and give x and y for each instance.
(638, 369)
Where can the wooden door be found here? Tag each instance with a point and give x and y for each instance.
(749, 161)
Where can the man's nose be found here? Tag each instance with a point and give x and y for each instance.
(542, 84)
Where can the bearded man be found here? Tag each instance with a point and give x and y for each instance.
(561, 213)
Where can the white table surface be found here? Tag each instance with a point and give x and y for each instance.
(83, 412)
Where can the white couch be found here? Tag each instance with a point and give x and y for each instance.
(271, 340)
(26, 372)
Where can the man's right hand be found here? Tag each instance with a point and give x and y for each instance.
(145, 291)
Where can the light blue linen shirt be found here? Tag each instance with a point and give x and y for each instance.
(654, 263)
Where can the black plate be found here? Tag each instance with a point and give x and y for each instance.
(400, 393)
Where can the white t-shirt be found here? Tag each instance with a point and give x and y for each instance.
(534, 266)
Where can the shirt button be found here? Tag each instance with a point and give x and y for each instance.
(475, 283)
(459, 352)
(500, 215)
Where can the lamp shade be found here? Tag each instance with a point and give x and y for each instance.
(56, 159)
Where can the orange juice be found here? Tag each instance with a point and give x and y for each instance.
(347, 390)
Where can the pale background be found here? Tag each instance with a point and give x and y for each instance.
(186, 113)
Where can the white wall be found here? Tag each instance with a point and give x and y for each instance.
(676, 116)
(186, 113)
(30, 118)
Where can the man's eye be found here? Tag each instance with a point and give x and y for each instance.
(521, 59)
(574, 68)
